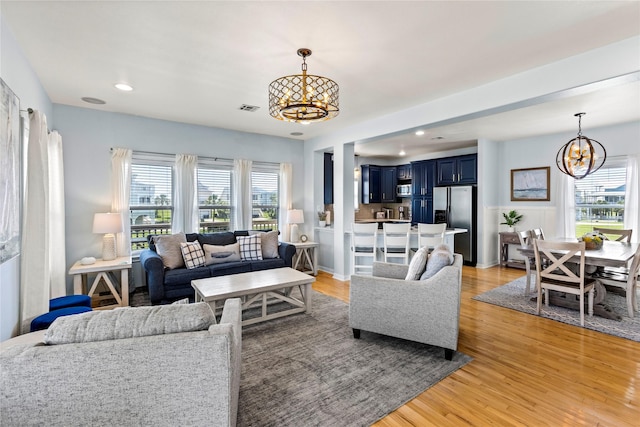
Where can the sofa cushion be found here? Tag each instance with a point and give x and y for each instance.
(215, 254)
(182, 276)
(229, 268)
(250, 247)
(266, 264)
(438, 259)
(192, 254)
(130, 322)
(269, 244)
(219, 239)
(168, 247)
(418, 264)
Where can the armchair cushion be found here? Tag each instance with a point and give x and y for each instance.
(418, 264)
(438, 259)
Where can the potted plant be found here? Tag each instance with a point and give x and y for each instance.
(322, 218)
(511, 219)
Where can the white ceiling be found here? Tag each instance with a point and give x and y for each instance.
(198, 61)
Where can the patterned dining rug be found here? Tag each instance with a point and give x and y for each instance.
(308, 370)
(512, 296)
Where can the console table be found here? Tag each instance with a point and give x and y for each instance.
(509, 238)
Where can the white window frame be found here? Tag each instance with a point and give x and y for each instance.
(270, 168)
(205, 163)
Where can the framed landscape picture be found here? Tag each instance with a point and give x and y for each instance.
(530, 184)
(9, 173)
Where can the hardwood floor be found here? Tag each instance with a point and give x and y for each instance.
(526, 371)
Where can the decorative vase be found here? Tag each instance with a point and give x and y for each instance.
(322, 223)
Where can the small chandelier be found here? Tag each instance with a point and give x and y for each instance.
(303, 98)
(581, 156)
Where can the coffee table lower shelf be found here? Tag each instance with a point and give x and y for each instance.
(258, 289)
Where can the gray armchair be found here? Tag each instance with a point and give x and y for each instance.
(426, 311)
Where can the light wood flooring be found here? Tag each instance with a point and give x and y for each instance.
(526, 371)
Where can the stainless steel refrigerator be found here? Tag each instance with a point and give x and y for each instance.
(456, 206)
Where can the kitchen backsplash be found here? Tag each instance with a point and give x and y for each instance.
(368, 211)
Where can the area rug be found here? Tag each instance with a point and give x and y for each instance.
(512, 296)
(308, 370)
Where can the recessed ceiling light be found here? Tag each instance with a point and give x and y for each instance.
(123, 87)
(438, 137)
(296, 134)
(92, 100)
(402, 153)
(420, 133)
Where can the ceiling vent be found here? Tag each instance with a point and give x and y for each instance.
(251, 108)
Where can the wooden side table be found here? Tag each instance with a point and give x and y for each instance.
(509, 238)
(105, 271)
(306, 257)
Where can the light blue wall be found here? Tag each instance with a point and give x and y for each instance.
(88, 135)
(17, 73)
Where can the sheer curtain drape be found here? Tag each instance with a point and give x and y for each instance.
(566, 206)
(185, 197)
(286, 194)
(242, 194)
(631, 198)
(120, 200)
(43, 264)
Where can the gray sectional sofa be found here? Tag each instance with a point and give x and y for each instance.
(166, 285)
(168, 365)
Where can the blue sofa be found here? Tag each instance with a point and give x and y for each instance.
(167, 285)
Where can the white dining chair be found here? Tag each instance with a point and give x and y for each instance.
(626, 279)
(560, 275)
(364, 238)
(396, 241)
(526, 239)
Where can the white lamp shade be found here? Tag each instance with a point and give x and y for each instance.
(295, 216)
(105, 223)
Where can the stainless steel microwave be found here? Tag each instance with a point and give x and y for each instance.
(403, 190)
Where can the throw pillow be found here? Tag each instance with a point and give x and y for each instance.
(418, 264)
(102, 325)
(215, 254)
(269, 244)
(193, 254)
(168, 247)
(250, 247)
(439, 258)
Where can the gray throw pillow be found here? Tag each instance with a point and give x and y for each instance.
(439, 258)
(168, 247)
(269, 243)
(418, 264)
(214, 254)
(102, 325)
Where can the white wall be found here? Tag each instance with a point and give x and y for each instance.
(17, 73)
(88, 135)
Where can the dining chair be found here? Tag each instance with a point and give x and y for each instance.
(431, 235)
(396, 241)
(560, 272)
(537, 233)
(526, 239)
(626, 279)
(364, 238)
(619, 234)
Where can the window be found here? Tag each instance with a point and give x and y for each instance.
(600, 197)
(265, 196)
(214, 196)
(150, 200)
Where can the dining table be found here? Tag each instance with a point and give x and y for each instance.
(611, 254)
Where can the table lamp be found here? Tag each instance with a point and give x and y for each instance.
(108, 224)
(295, 217)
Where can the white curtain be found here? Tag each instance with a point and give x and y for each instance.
(286, 196)
(185, 197)
(631, 198)
(242, 194)
(566, 206)
(43, 264)
(121, 189)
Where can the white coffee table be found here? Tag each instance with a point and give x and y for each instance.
(258, 287)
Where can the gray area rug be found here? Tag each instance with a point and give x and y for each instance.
(308, 370)
(512, 296)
